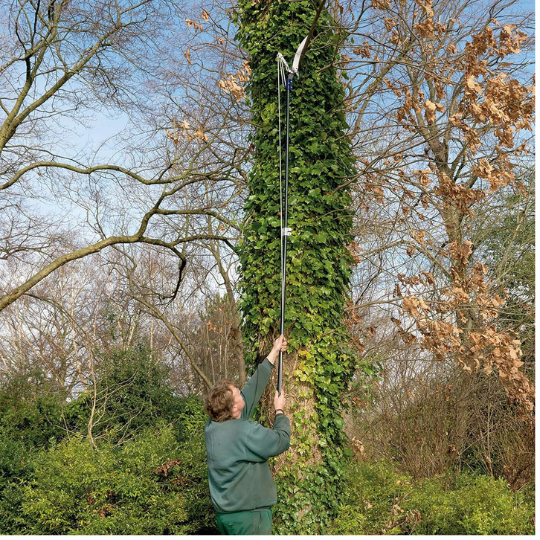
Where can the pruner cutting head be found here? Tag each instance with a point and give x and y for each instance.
(297, 58)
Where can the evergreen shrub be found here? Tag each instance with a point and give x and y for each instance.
(31, 410)
(15, 470)
(30, 422)
(381, 500)
(148, 485)
(132, 391)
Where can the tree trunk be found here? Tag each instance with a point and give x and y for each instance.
(321, 362)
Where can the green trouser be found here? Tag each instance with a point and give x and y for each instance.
(257, 521)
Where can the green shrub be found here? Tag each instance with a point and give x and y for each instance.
(31, 409)
(15, 470)
(380, 500)
(371, 493)
(146, 486)
(13, 461)
(474, 505)
(193, 468)
(132, 392)
(144, 473)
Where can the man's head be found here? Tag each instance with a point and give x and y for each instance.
(224, 402)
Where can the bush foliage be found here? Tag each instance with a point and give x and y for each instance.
(149, 475)
(381, 500)
(141, 469)
(141, 487)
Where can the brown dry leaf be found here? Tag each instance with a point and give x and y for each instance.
(412, 304)
(358, 446)
(408, 338)
(472, 85)
(173, 136)
(428, 7)
(478, 112)
(425, 29)
(194, 24)
(397, 322)
(354, 250)
(364, 51)
(419, 236)
(201, 135)
(164, 469)
(230, 86)
(389, 23)
(430, 111)
(423, 177)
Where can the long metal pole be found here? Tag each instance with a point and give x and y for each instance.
(285, 233)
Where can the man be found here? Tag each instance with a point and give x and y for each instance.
(241, 484)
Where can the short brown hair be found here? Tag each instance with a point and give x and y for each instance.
(219, 402)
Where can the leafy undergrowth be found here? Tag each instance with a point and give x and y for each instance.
(381, 500)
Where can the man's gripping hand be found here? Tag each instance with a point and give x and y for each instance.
(279, 402)
(279, 345)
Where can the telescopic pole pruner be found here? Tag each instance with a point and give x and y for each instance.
(285, 76)
(283, 68)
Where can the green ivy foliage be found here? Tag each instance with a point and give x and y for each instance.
(321, 165)
(319, 264)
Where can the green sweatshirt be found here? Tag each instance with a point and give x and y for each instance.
(238, 452)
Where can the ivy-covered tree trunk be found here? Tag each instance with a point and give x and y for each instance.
(317, 372)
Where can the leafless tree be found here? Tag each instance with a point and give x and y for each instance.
(157, 181)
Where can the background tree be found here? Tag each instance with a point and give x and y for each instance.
(442, 142)
(62, 63)
(451, 121)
